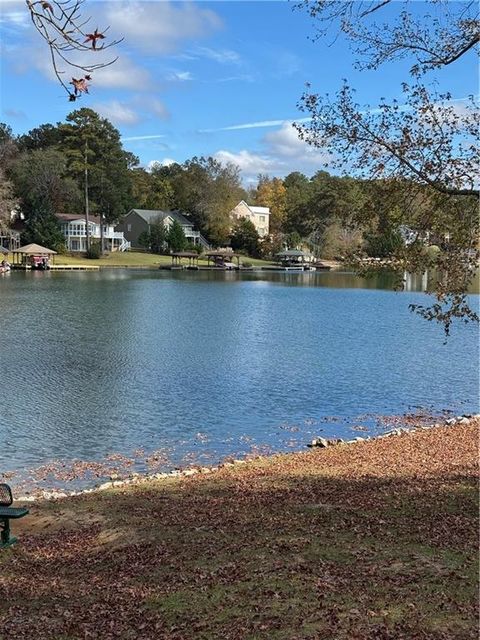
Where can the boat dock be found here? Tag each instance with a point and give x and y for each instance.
(58, 267)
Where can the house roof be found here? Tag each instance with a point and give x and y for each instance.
(254, 209)
(35, 250)
(73, 217)
(151, 214)
(263, 210)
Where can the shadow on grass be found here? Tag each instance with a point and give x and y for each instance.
(251, 554)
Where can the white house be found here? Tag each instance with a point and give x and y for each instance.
(260, 216)
(74, 229)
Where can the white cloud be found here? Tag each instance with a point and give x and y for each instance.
(18, 114)
(244, 77)
(159, 27)
(153, 136)
(123, 74)
(154, 27)
(117, 113)
(254, 125)
(285, 143)
(156, 107)
(152, 105)
(166, 162)
(180, 76)
(14, 13)
(222, 56)
(249, 163)
(281, 152)
(248, 125)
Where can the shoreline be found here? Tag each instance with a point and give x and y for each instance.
(137, 478)
(373, 540)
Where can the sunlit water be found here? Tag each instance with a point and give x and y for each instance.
(203, 365)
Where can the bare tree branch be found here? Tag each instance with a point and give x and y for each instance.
(61, 25)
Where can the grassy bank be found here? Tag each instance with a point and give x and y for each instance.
(374, 540)
(134, 259)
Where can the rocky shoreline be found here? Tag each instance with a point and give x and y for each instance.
(319, 442)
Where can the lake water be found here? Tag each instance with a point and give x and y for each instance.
(198, 365)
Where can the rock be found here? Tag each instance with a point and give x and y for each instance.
(190, 472)
(319, 442)
(323, 442)
(451, 421)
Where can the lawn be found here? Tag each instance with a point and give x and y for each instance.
(134, 259)
(375, 540)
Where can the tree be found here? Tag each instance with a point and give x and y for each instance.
(298, 191)
(8, 200)
(176, 237)
(424, 145)
(42, 137)
(207, 191)
(41, 183)
(97, 161)
(43, 228)
(271, 192)
(43, 189)
(157, 235)
(245, 238)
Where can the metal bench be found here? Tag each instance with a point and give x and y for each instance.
(8, 513)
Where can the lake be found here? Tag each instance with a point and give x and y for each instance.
(176, 368)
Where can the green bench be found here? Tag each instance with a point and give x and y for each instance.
(8, 513)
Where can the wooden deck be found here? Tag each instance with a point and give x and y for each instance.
(59, 267)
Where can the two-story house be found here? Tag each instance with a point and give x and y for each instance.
(74, 229)
(138, 221)
(260, 216)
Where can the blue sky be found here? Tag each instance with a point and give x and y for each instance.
(201, 78)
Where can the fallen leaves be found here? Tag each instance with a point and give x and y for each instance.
(375, 541)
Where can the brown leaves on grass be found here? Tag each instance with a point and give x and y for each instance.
(371, 541)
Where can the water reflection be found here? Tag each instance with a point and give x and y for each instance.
(116, 360)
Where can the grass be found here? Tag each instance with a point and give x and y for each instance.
(376, 540)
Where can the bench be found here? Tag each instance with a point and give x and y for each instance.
(8, 513)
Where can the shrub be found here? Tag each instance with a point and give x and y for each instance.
(94, 251)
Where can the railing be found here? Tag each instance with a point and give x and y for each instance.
(125, 246)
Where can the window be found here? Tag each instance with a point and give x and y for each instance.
(129, 227)
(262, 218)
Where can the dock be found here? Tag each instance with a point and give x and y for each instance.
(74, 267)
(58, 267)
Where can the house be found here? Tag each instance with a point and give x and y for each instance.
(260, 216)
(74, 230)
(138, 221)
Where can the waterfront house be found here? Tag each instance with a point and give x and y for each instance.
(259, 216)
(74, 230)
(138, 221)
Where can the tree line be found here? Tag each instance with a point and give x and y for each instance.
(44, 172)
